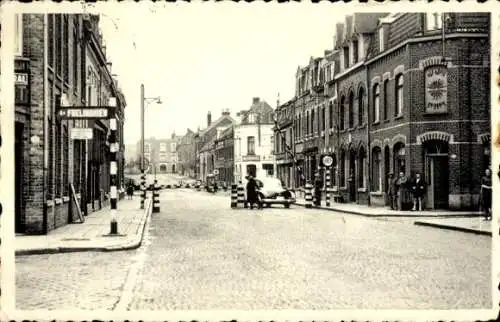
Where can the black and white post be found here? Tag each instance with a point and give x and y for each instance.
(328, 185)
(113, 168)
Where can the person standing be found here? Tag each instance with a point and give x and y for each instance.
(392, 191)
(401, 189)
(318, 185)
(418, 188)
(130, 190)
(486, 194)
(252, 191)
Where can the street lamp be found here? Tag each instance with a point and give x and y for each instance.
(143, 178)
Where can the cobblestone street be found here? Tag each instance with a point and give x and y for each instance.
(200, 254)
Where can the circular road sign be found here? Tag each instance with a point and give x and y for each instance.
(216, 171)
(327, 160)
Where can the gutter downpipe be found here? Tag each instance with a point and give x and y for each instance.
(45, 120)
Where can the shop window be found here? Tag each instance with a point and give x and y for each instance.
(251, 170)
(376, 170)
(268, 169)
(376, 103)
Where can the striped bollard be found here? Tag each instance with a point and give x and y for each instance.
(113, 171)
(328, 183)
(156, 197)
(143, 188)
(309, 195)
(234, 196)
(241, 196)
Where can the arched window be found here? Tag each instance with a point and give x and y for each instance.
(361, 107)
(386, 101)
(376, 169)
(376, 103)
(399, 95)
(331, 115)
(342, 113)
(361, 170)
(351, 110)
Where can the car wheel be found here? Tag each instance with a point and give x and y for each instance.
(287, 205)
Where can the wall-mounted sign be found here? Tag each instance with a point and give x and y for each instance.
(85, 112)
(327, 160)
(436, 89)
(21, 79)
(81, 133)
(251, 158)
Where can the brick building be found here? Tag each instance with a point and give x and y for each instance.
(186, 150)
(283, 143)
(395, 105)
(67, 67)
(162, 153)
(224, 156)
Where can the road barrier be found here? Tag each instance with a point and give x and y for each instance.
(234, 196)
(241, 196)
(156, 197)
(143, 189)
(328, 185)
(309, 196)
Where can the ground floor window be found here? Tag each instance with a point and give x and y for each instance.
(268, 169)
(376, 169)
(361, 171)
(251, 170)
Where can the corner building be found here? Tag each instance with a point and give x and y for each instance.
(430, 104)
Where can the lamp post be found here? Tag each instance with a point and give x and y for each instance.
(143, 170)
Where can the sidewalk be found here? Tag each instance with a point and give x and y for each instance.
(378, 211)
(469, 225)
(91, 234)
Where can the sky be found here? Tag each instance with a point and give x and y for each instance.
(209, 57)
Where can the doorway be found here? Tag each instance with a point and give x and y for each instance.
(437, 174)
(173, 168)
(18, 177)
(387, 170)
(352, 175)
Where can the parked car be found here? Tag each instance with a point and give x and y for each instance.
(272, 191)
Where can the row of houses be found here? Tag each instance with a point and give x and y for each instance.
(60, 60)
(230, 149)
(396, 93)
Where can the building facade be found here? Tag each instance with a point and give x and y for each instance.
(68, 68)
(283, 143)
(186, 150)
(161, 155)
(253, 142)
(204, 144)
(397, 93)
(224, 156)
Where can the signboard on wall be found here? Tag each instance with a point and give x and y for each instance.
(436, 89)
(81, 133)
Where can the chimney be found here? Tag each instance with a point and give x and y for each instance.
(255, 100)
(108, 65)
(209, 119)
(225, 112)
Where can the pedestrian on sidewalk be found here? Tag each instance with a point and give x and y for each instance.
(401, 184)
(392, 191)
(418, 189)
(486, 194)
(252, 193)
(130, 190)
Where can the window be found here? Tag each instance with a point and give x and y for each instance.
(75, 52)
(307, 123)
(355, 57)
(434, 21)
(351, 110)
(18, 49)
(268, 169)
(323, 118)
(251, 145)
(172, 147)
(342, 113)
(361, 108)
(50, 45)
(376, 103)
(312, 122)
(58, 35)
(331, 115)
(163, 147)
(381, 39)
(343, 165)
(361, 174)
(386, 101)
(251, 170)
(399, 95)
(65, 43)
(377, 170)
(346, 57)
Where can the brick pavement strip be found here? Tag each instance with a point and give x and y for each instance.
(93, 234)
(200, 254)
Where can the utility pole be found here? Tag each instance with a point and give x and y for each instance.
(143, 170)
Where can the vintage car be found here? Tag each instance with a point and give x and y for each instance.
(272, 191)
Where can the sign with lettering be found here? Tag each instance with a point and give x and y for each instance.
(251, 158)
(21, 79)
(81, 133)
(436, 89)
(85, 112)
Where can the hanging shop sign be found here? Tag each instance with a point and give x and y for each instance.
(85, 112)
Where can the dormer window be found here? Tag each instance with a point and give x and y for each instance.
(355, 56)
(346, 57)
(434, 21)
(381, 39)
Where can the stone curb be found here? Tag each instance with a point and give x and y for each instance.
(449, 227)
(126, 246)
(391, 215)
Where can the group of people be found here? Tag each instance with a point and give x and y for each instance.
(400, 187)
(253, 193)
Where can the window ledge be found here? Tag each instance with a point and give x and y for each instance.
(435, 114)
(50, 203)
(58, 201)
(397, 117)
(376, 123)
(360, 127)
(65, 199)
(387, 121)
(376, 193)
(343, 188)
(361, 189)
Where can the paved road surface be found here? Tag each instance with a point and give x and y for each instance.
(200, 254)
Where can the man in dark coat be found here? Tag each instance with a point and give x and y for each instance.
(392, 191)
(252, 197)
(418, 189)
(318, 185)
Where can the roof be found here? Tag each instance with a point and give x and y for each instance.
(262, 108)
(215, 123)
